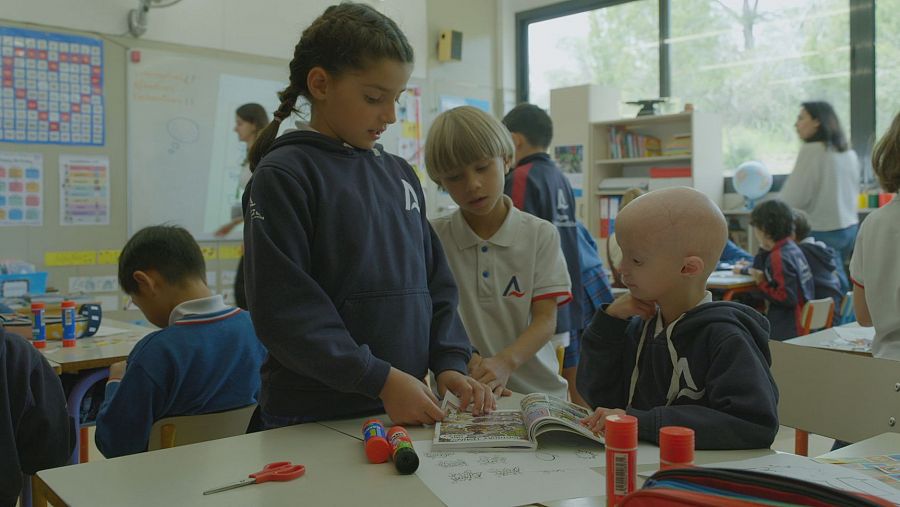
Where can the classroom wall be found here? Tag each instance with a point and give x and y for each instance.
(475, 76)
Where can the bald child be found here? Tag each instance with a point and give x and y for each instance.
(666, 353)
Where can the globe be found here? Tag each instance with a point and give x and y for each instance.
(752, 180)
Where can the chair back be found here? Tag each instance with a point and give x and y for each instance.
(817, 314)
(191, 429)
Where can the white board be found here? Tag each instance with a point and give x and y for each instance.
(184, 158)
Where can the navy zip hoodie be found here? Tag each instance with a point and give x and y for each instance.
(820, 258)
(35, 432)
(726, 392)
(787, 287)
(345, 278)
(537, 186)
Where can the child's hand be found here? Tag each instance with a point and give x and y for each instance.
(474, 362)
(739, 267)
(758, 276)
(626, 306)
(468, 390)
(494, 372)
(117, 370)
(409, 401)
(596, 422)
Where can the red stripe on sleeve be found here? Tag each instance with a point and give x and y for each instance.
(861, 286)
(566, 295)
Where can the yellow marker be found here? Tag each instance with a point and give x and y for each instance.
(108, 256)
(227, 252)
(71, 258)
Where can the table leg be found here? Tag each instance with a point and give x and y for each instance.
(42, 494)
(74, 405)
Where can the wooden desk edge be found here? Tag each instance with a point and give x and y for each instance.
(41, 494)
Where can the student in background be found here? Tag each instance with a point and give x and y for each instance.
(666, 353)
(347, 282)
(613, 252)
(780, 268)
(507, 263)
(822, 265)
(537, 186)
(35, 433)
(733, 254)
(249, 120)
(825, 181)
(874, 268)
(205, 359)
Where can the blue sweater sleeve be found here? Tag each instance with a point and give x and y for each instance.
(129, 409)
(293, 315)
(608, 354)
(449, 347)
(741, 408)
(43, 437)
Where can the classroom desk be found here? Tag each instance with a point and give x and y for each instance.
(886, 443)
(843, 395)
(337, 472)
(730, 283)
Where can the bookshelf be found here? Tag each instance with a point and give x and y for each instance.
(702, 154)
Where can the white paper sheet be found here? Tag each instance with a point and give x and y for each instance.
(109, 330)
(799, 467)
(470, 479)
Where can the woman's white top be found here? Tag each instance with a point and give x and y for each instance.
(874, 267)
(824, 184)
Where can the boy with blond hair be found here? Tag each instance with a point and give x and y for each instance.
(507, 263)
(666, 353)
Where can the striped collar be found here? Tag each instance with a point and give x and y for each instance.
(203, 310)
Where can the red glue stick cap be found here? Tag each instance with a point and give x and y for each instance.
(68, 304)
(38, 306)
(378, 449)
(621, 432)
(676, 444)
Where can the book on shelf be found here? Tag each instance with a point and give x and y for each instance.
(623, 183)
(670, 172)
(624, 143)
(678, 145)
(509, 429)
(609, 209)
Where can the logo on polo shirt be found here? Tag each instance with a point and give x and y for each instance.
(512, 288)
(412, 200)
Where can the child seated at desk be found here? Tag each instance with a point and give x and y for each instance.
(205, 359)
(34, 427)
(666, 353)
(507, 263)
(780, 268)
(822, 263)
(874, 270)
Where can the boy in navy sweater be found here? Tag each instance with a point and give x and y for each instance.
(822, 263)
(205, 359)
(537, 186)
(34, 427)
(780, 268)
(666, 353)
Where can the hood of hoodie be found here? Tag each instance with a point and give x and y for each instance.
(700, 319)
(818, 251)
(322, 142)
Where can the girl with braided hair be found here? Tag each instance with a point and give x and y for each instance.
(347, 284)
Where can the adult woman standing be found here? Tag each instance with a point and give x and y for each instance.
(825, 181)
(249, 121)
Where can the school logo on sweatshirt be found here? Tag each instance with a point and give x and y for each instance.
(253, 212)
(412, 200)
(512, 288)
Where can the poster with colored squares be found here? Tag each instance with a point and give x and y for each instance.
(21, 189)
(84, 190)
(51, 88)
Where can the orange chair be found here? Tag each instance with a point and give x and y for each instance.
(816, 314)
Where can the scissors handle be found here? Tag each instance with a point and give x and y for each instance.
(279, 471)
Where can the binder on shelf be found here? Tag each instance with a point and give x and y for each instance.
(604, 217)
(623, 183)
(670, 172)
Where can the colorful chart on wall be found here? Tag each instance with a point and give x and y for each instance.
(21, 188)
(51, 91)
(84, 190)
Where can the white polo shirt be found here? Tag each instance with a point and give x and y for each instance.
(498, 279)
(874, 267)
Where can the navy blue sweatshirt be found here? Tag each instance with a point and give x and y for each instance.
(822, 265)
(34, 426)
(345, 278)
(787, 287)
(726, 392)
(537, 186)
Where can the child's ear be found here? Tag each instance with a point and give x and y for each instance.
(518, 140)
(692, 266)
(146, 282)
(317, 82)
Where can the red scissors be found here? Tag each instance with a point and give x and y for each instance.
(278, 471)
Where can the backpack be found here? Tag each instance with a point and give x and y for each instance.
(722, 487)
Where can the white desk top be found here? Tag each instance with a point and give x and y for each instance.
(848, 338)
(728, 279)
(337, 472)
(886, 443)
(96, 351)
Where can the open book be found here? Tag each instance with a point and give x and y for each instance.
(509, 429)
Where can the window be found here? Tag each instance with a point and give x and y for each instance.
(754, 63)
(616, 45)
(887, 65)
